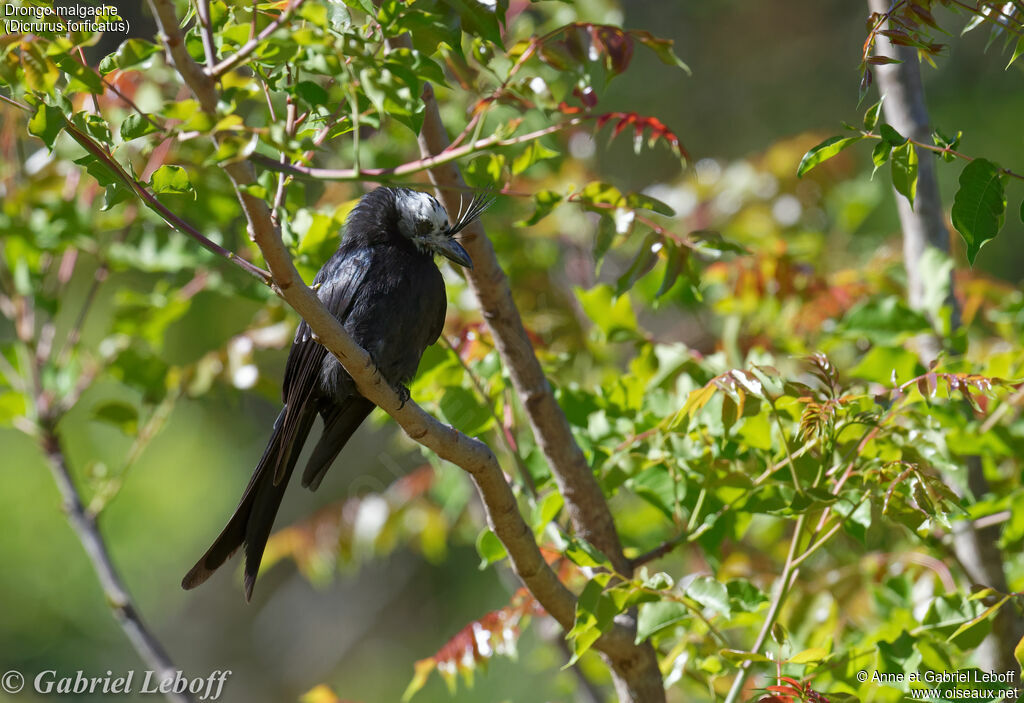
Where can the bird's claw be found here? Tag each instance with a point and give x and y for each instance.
(403, 395)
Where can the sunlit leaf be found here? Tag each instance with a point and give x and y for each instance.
(170, 179)
(823, 152)
(904, 171)
(979, 207)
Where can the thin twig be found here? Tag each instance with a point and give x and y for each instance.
(246, 50)
(417, 166)
(206, 32)
(151, 200)
(948, 150)
(785, 582)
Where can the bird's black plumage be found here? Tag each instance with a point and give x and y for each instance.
(383, 286)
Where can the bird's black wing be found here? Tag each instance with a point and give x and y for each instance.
(341, 279)
(339, 283)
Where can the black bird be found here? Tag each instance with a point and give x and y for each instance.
(383, 286)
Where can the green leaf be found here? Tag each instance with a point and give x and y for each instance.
(645, 259)
(546, 509)
(82, 77)
(1017, 51)
(613, 316)
(119, 414)
(135, 126)
(170, 179)
(583, 553)
(970, 633)
(100, 169)
(676, 259)
(595, 612)
(41, 74)
(603, 241)
(233, 147)
(486, 169)
(710, 593)
(809, 656)
(190, 113)
(93, 125)
(904, 171)
(1018, 652)
(823, 152)
(882, 361)
(462, 409)
(886, 322)
(655, 617)
(364, 5)
(490, 548)
(418, 64)
(131, 53)
(533, 153)
(890, 135)
(744, 595)
(639, 200)
(662, 48)
(871, 116)
(479, 19)
(312, 92)
(544, 202)
(979, 207)
(46, 124)
(879, 155)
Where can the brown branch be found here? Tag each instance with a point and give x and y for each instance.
(143, 640)
(583, 496)
(470, 454)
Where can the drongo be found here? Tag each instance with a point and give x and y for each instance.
(384, 288)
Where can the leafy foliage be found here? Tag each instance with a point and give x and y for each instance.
(792, 457)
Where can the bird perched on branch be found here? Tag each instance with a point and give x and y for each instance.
(383, 286)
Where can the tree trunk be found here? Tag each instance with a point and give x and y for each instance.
(924, 228)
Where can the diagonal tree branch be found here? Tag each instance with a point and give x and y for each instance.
(145, 643)
(635, 670)
(471, 455)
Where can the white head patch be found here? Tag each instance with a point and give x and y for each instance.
(420, 217)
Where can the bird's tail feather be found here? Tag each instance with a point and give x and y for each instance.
(338, 428)
(253, 518)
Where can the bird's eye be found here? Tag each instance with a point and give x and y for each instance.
(424, 226)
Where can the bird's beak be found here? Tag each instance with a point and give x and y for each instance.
(453, 251)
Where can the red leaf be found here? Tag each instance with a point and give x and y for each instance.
(623, 123)
(614, 42)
